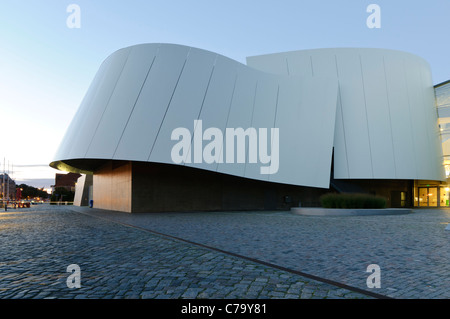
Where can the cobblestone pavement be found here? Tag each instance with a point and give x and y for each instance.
(412, 250)
(119, 261)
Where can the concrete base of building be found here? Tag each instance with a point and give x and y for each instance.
(319, 211)
(137, 187)
(153, 187)
(83, 190)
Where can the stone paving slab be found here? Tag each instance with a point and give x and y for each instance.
(117, 261)
(411, 250)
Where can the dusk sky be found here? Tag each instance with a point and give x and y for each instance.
(46, 66)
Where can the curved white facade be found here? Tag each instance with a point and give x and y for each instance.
(375, 107)
(386, 123)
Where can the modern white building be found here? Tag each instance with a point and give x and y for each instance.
(166, 127)
(435, 193)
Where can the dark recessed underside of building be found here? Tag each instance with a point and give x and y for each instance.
(155, 187)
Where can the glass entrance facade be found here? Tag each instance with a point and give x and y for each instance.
(435, 193)
(429, 195)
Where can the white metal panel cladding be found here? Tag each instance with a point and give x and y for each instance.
(386, 122)
(144, 92)
(354, 113)
(378, 115)
(240, 111)
(375, 107)
(404, 148)
(185, 103)
(123, 99)
(220, 88)
(85, 121)
(146, 117)
(263, 116)
(96, 107)
(301, 145)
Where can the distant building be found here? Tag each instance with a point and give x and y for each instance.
(7, 187)
(67, 181)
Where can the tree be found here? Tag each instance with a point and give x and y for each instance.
(31, 192)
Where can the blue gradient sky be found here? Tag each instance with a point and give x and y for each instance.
(46, 67)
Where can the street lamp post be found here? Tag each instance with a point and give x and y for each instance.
(3, 185)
